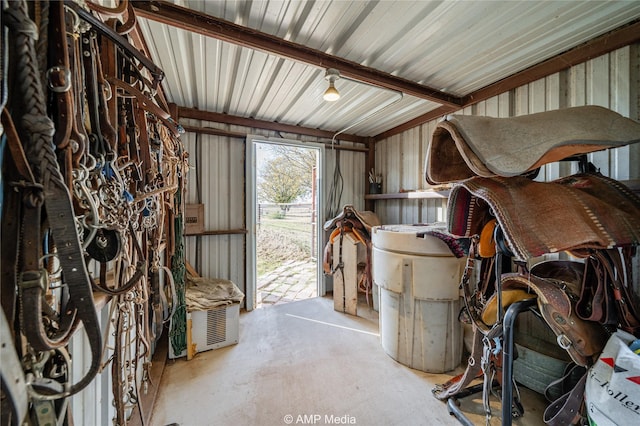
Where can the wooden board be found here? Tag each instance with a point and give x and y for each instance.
(191, 270)
(345, 279)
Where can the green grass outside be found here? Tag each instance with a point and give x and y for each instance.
(280, 240)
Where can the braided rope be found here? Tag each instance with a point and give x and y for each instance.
(34, 127)
(178, 331)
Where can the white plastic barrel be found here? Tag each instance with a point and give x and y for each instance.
(418, 279)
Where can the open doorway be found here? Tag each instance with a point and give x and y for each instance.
(283, 199)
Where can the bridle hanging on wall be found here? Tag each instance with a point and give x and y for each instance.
(96, 166)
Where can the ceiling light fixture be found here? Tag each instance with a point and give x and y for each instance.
(331, 94)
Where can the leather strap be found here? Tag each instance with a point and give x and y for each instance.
(15, 149)
(607, 294)
(567, 410)
(130, 21)
(8, 250)
(99, 145)
(60, 83)
(146, 103)
(109, 57)
(117, 371)
(20, 170)
(143, 145)
(156, 301)
(123, 10)
(107, 129)
(563, 382)
(141, 268)
(112, 12)
(59, 75)
(472, 372)
(590, 305)
(480, 331)
(78, 138)
(621, 291)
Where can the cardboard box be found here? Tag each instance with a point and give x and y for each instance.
(194, 219)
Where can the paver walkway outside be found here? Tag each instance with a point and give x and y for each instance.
(294, 280)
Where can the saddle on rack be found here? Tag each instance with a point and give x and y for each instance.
(556, 285)
(359, 223)
(465, 146)
(349, 215)
(496, 204)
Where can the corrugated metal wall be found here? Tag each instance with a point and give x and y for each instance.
(221, 177)
(610, 80)
(216, 179)
(93, 405)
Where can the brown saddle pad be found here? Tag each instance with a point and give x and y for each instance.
(582, 211)
(465, 146)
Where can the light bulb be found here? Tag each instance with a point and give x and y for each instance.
(331, 94)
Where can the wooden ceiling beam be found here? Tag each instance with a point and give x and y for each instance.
(216, 117)
(422, 119)
(599, 46)
(214, 132)
(238, 135)
(211, 26)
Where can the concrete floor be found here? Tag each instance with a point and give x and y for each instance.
(301, 363)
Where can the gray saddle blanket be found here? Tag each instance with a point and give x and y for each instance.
(465, 146)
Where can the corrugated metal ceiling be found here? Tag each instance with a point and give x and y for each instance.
(457, 47)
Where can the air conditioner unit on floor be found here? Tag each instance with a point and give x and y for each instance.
(215, 328)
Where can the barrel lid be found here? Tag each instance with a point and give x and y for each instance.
(411, 239)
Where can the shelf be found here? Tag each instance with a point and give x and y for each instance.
(408, 195)
(219, 232)
(633, 185)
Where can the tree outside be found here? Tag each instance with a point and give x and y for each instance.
(280, 183)
(284, 187)
(286, 176)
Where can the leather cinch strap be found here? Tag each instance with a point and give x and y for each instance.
(566, 409)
